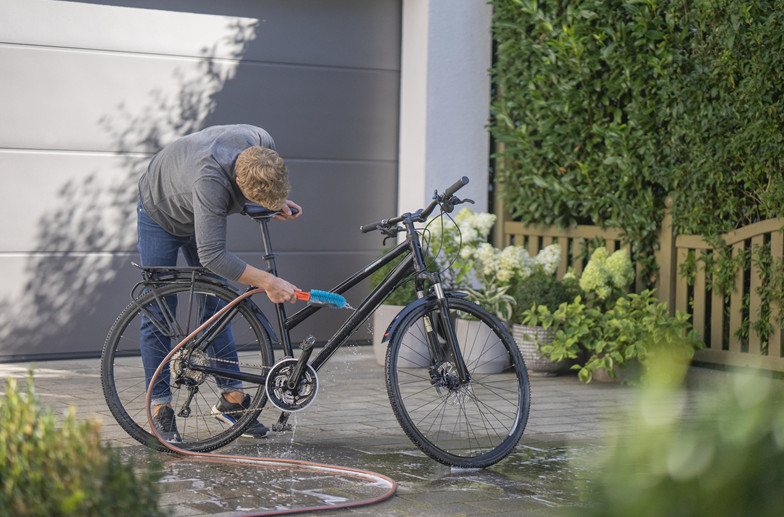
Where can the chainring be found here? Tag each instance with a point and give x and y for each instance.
(279, 393)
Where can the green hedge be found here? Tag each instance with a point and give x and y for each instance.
(603, 108)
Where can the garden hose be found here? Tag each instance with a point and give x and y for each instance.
(314, 297)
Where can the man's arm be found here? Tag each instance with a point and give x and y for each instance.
(278, 290)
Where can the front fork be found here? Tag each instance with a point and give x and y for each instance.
(440, 320)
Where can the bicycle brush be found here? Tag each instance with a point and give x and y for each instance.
(316, 297)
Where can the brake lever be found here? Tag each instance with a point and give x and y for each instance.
(449, 204)
(390, 233)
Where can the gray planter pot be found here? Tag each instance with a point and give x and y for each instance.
(413, 354)
(491, 356)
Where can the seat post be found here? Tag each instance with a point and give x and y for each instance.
(268, 257)
(272, 269)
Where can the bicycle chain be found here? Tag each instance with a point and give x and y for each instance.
(236, 412)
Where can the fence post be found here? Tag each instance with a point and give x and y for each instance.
(667, 259)
(502, 216)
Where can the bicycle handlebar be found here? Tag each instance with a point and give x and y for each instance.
(421, 214)
(462, 182)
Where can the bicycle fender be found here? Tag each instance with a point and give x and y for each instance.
(431, 298)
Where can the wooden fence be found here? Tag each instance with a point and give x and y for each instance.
(715, 316)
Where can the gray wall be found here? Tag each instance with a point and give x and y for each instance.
(90, 90)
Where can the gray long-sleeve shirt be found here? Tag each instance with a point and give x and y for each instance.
(190, 188)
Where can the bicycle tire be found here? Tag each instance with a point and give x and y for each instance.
(471, 426)
(123, 378)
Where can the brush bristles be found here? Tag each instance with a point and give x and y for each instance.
(332, 300)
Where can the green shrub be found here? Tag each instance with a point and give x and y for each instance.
(545, 290)
(48, 469)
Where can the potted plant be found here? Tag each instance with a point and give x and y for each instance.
(499, 275)
(452, 245)
(628, 332)
(610, 327)
(545, 290)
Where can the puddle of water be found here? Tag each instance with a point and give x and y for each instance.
(217, 486)
(549, 474)
(554, 475)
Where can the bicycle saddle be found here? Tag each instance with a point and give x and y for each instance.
(258, 212)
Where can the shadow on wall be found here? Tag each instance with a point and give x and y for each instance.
(69, 297)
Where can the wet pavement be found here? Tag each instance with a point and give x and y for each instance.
(351, 424)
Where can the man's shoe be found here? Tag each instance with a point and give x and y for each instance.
(229, 413)
(166, 425)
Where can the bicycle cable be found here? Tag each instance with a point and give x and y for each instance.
(378, 479)
(450, 260)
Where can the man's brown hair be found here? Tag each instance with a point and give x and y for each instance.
(263, 177)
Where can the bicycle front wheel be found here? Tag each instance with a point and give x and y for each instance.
(158, 320)
(472, 424)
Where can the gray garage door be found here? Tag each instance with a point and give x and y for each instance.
(90, 90)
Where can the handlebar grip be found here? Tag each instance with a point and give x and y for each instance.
(462, 182)
(365, 228)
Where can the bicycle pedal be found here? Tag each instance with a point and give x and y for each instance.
(279, 428)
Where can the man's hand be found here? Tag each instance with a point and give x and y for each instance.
(280, 291)
(286, 214)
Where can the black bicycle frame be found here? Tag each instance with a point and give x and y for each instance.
(397, 276)
(412, 263)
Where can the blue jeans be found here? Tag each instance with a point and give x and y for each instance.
(157, 247)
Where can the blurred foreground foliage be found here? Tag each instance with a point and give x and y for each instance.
(52, 469)
(726, 458)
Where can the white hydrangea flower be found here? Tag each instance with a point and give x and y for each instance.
(594, 276)
(509, 263)
(484, 223)
(463, 215)
(549, 258)
(468, 234)
(603, 292)
(486, 255)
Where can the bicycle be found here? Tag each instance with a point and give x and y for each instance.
(450, 407)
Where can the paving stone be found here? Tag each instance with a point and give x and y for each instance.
(351, 424)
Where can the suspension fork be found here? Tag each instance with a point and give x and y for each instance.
(440, 319)
(435, 319)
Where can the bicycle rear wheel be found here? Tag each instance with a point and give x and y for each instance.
(470, 425)
(168, 314)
